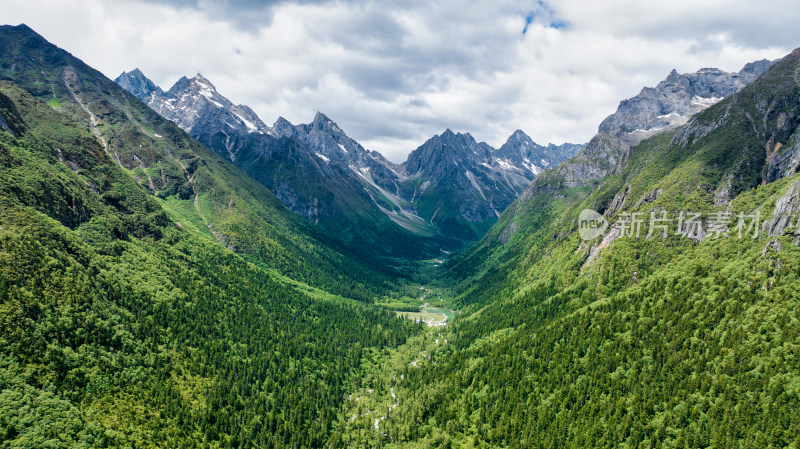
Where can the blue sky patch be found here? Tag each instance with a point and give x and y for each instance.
(544, 14)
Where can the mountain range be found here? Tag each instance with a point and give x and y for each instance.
(153, 294)
(448, 193)
(450, 190)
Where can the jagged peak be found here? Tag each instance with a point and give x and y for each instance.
(138, 84)
(322, 119)
(202, 80)
(324, 123)
(133, 73)
(283, 127)
(185, 83)
(673, 75)
(282, 121)
(451, 136)
(179, 85)
(199, 77)
(756, 67)
(521, 137)
(450, 132)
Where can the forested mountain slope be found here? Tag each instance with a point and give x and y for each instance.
(653, 111)
(120, 327)
(198, 188)
(686, 338)
(126, 317)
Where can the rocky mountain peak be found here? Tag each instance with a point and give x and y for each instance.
(458, 142)
(520, 137)
(199, 78)
(521, 151)
(202, 84)
(196, 84)
(673, 76)
(517, 140)
(322, 122)
(755, 68)
(182, 84)
(283, 127)
(138, 84)
(674, 99)
(195, 105)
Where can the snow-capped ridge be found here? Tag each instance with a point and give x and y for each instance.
(469, 181)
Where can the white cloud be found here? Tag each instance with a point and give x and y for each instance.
(394, 73)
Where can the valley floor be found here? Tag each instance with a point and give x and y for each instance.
(368, 409)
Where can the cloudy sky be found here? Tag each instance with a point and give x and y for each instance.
(393, 73)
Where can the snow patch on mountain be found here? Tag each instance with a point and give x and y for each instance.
(251, 127)
(705, 102)
(474, 182)
(533, 168)
(505, 164)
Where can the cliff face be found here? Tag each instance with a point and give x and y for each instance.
(654, 110)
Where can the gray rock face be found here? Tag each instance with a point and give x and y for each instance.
(652, 111)
(451, 188)
(772, 112)
(330, 144)
(783, 159)
(522, 152)
(139, 85)
(460, 176)
(677, 97)
(785, 214)
(471, 183)
(195, 103)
